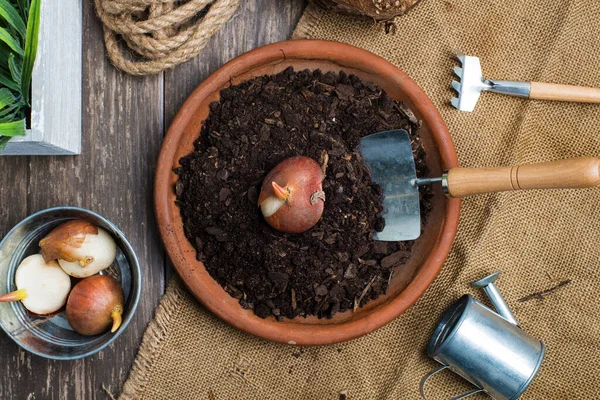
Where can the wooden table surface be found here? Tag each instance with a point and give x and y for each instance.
(124, 120)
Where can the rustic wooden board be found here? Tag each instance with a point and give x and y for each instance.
(123, 128)
(124, 119)
(56, 85)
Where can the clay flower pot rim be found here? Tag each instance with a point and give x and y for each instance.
(181, 252)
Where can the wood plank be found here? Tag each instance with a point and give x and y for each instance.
(122, 133)
(123, 123)
(256, 23)
(13, 208)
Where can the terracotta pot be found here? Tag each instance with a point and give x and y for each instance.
(430, 250)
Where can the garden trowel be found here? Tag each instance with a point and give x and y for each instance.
(389, 156)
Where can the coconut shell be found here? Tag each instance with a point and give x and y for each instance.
(380, 10)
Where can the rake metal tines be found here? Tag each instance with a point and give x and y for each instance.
(471, 84)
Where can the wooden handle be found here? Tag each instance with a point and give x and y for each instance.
(553, 91)
(571, 173)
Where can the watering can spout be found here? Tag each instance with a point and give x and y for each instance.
(488, 285)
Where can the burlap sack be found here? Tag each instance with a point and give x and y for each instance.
(536, 238)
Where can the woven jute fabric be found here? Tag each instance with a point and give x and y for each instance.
(537, 238)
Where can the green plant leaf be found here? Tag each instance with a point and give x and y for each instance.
(11, 15)
(3, 142)
(15, 69)
(5, 51)
(18, 48)
(23, 6)
(31, 45)
(5, 74)
(7, 81)
(13, 128)
(10, 113)
(6, 98)
(7, 38)
(10, 116)
(11, 106)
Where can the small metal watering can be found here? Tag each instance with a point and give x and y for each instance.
(486, 348)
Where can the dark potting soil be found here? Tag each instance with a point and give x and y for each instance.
(336, 265)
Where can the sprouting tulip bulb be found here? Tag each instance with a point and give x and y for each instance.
(95, 305)
(299, 205)
(42, 286)
(81, 248)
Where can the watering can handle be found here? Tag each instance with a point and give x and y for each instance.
(429, 375)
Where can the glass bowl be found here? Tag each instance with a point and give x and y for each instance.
(52, 337)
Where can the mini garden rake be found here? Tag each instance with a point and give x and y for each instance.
(471, 83)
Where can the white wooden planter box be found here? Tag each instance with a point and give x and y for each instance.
(56, 84)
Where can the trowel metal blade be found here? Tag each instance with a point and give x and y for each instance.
(390, 158)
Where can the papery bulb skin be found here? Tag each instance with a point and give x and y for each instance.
(292, 198)
(81, 248)
(95, 304)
